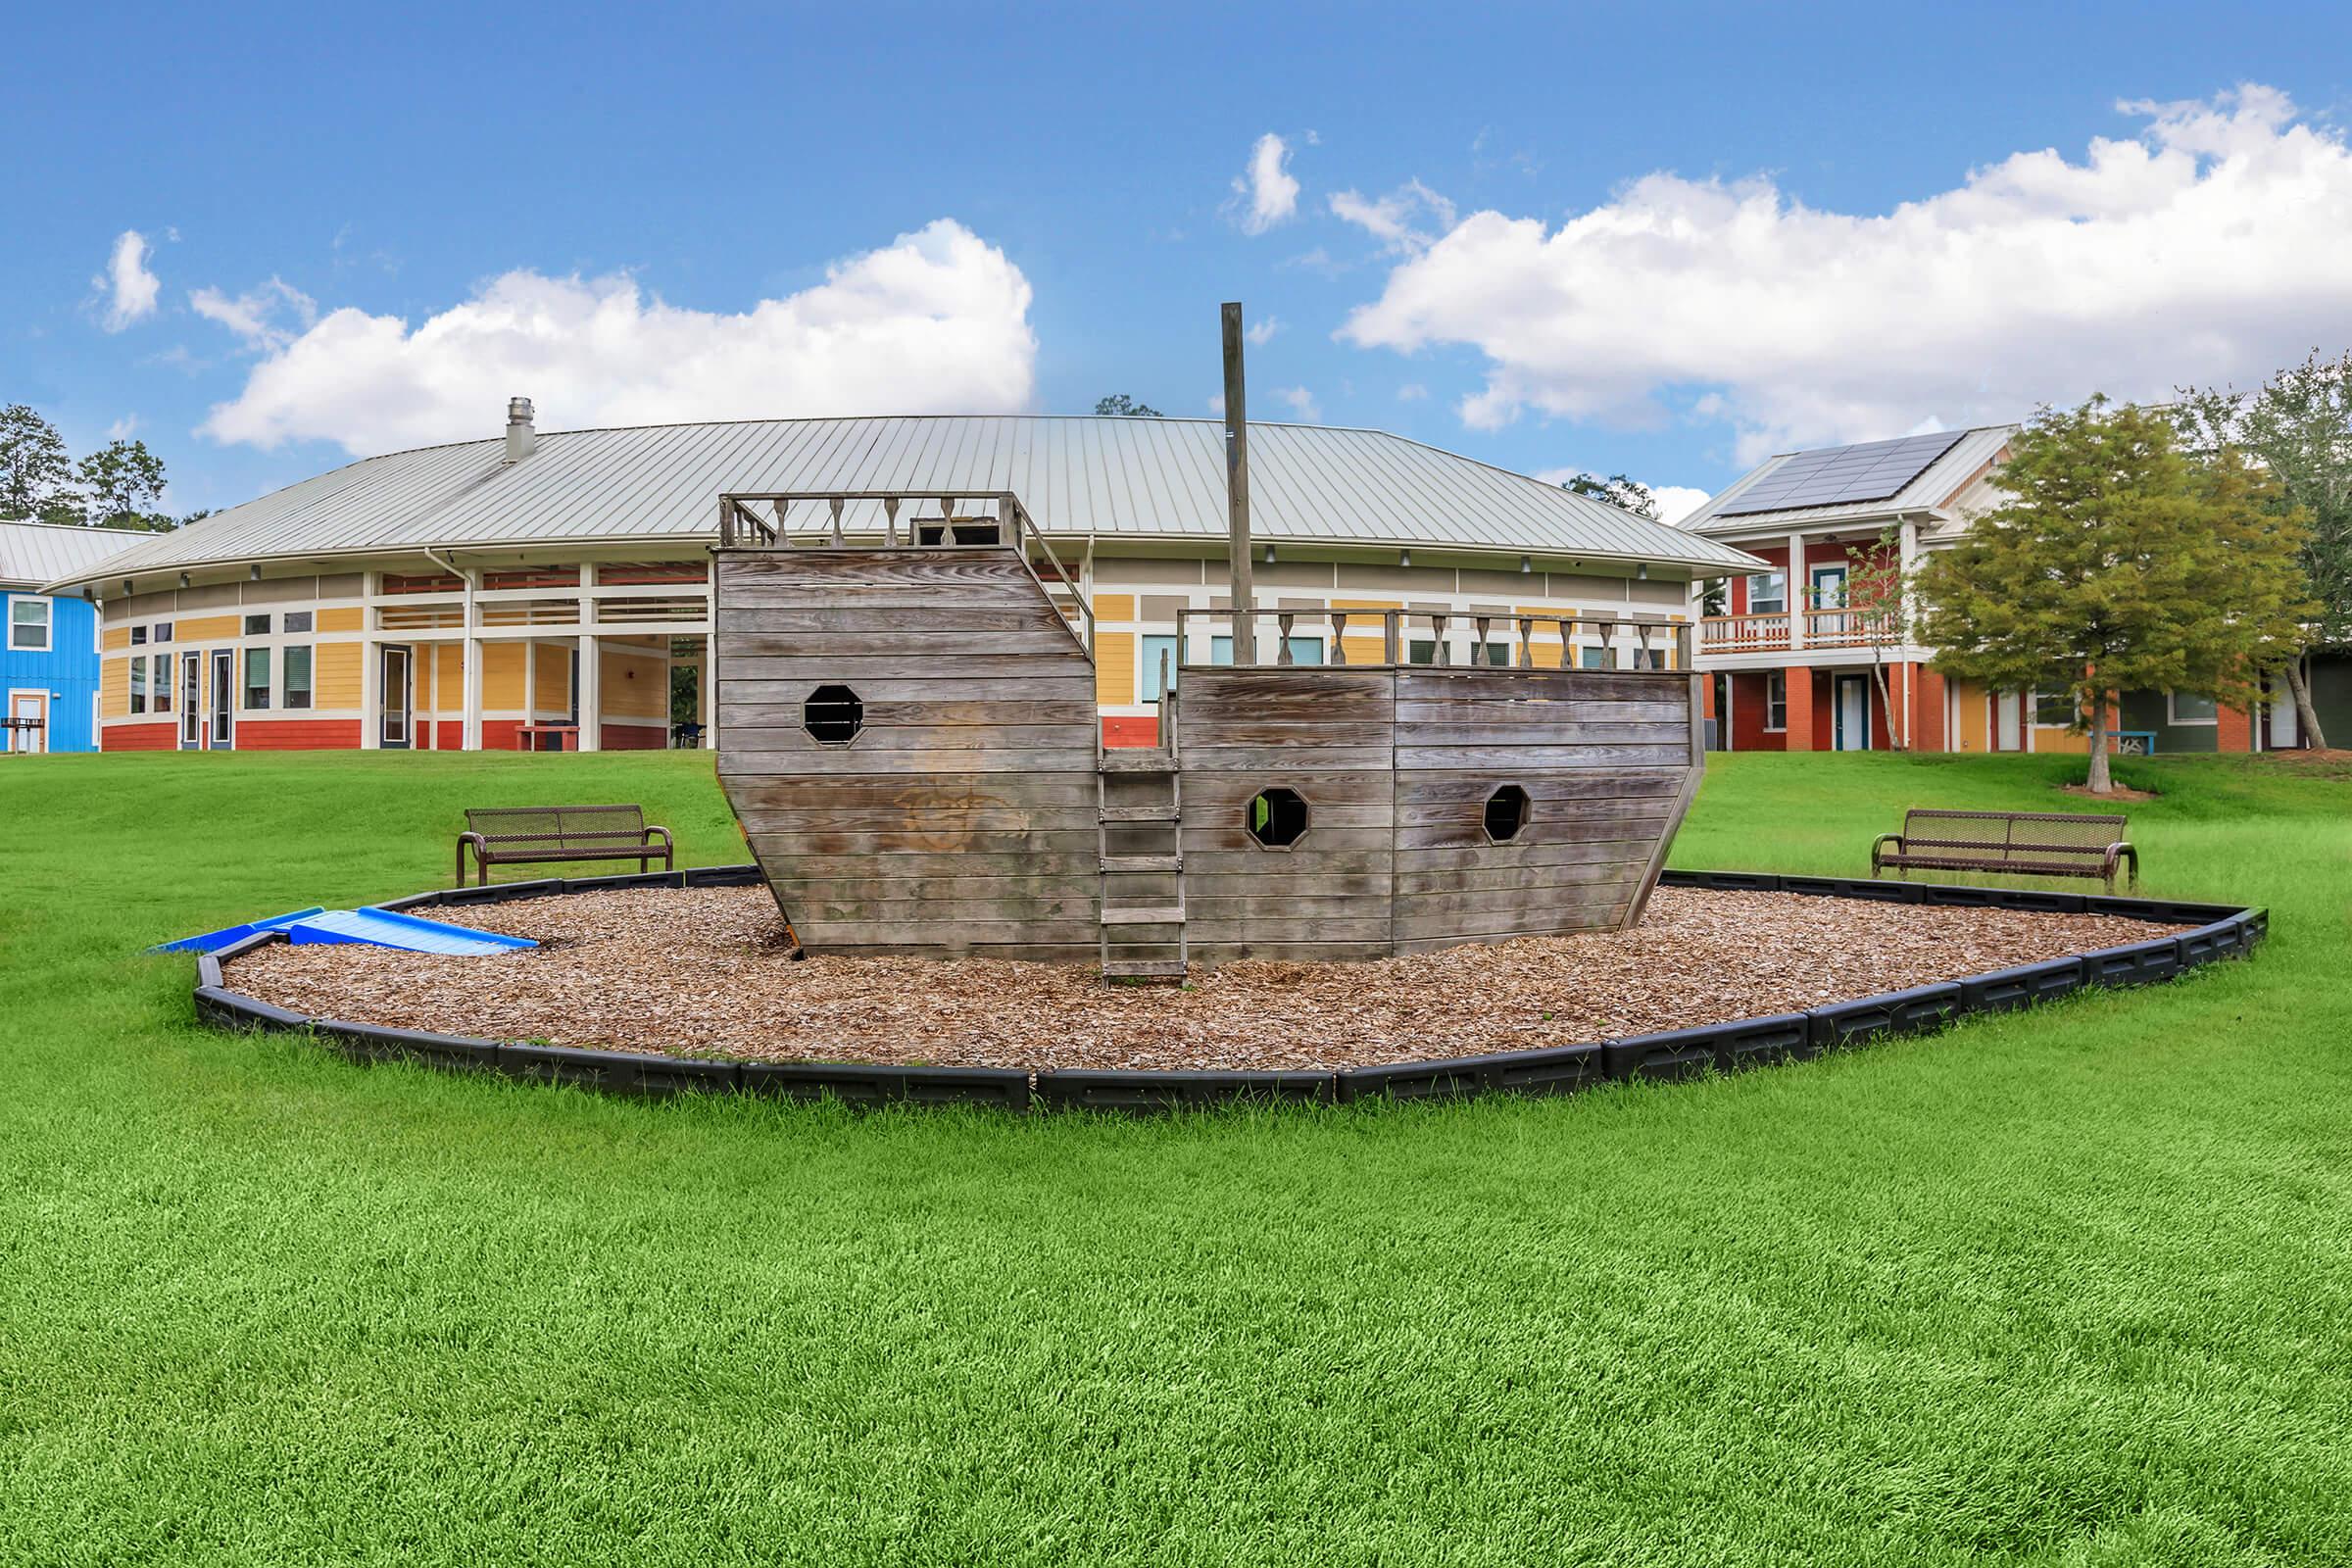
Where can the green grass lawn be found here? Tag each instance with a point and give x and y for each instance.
(2072, 1286)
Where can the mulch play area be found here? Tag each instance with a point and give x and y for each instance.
(705, 972)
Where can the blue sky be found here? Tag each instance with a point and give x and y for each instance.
(1659, 239)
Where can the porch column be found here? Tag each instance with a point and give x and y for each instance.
(592, 694)
(1799, 679)
(1797, 599)
(708, 684)
(371, 685)
(469, 729)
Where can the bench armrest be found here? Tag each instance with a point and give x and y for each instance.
(666, 842)
(1878, 847)
(2123, 852)
(481, 857)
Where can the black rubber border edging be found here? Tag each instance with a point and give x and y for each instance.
(2223, 931)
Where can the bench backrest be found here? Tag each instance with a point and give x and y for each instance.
(558, 827)
(2003, 838)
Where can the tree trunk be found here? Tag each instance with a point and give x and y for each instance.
(1894, 738)
(2307, 717)
(2100, 782)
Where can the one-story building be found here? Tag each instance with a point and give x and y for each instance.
(538, 589)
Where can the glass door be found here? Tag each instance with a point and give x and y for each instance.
(395, 733)
(191, 701)
(225, 699)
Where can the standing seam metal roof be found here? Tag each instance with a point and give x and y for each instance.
(32, 554)
(1077, 476)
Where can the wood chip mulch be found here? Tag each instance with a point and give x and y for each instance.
(704, 972)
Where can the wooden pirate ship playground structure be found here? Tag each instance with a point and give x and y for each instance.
(909, 737)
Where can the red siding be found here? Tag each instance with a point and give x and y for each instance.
(1747, 714)
(1132, 730)
(2235, 732)
(161, 737)
(634, 737)
(297, 734)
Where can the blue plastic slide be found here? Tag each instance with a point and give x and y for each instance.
(382, 928)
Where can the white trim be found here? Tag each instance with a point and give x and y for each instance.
(45, 743)
(1770, 728)
(48, 625)
(2174, 720)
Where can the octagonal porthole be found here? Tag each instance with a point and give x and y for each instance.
(1277, 819)
(1507, 814)
(833, 716)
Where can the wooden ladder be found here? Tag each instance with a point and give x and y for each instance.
(1152, 874)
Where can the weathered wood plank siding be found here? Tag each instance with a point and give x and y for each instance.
(961, 816)
(1327, 733)
(1604, 756)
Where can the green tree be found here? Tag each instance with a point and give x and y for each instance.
(123, 481)
(36, 477)
(1121, 403)
(1618, 490)
(2298, 425)
(2118, 563)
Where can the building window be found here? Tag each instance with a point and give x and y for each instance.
(298, 620)
(1596, 657)
(2054, 710)
(138, 684)
(1776, 702)
(257, 626)
(162, 694)
(297, 676)
(28, 626)
(1768, 593)
(257, 677)
(2182, 708)
(1147, 679)
(161, 632)
(138, 636)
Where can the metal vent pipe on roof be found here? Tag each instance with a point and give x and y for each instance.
(522, 438)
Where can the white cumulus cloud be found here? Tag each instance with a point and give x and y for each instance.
(1303, 406)
(2206, 247)
(126, 290)
(1265, 193)
(259, 316)
(937, 322)
(1262, 332)
(1397, 218)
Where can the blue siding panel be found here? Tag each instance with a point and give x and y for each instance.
(68, 671)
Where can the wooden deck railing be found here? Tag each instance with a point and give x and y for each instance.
(1374, 638)
(869, 519)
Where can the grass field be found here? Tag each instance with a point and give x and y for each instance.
(2072, 1286)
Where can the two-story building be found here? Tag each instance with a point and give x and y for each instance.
(1804, 656)
(49, 642)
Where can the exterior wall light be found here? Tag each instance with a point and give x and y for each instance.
(1527, 564)
(1404, 557)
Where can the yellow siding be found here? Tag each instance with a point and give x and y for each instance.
(2055, 738)
(1545, 655)
(1968, 698)
(205, 629)
(115, 637)
(335, 676)
(113, 688)
(1114, 669)
(449, 679)
(502, 677)
(1114, 607)
(552, 691)
(343, 617)
(635, 686)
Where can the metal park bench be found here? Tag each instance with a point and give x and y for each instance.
(2016, 843)
(526, 835)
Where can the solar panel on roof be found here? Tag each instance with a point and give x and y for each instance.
(1870, 471)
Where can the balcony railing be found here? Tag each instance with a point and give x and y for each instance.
(1768, 633)
(1743, 634)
